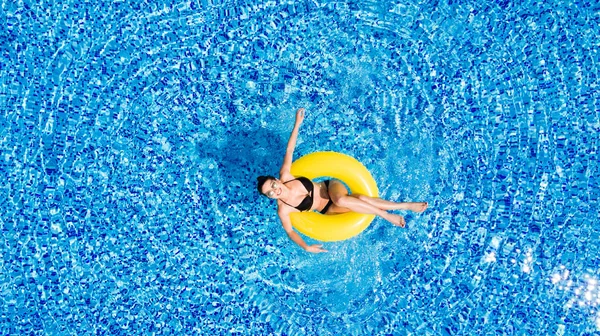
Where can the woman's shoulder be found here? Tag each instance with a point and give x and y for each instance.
(285, 176)
(284, 209)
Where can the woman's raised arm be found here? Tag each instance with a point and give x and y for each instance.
(284, 173)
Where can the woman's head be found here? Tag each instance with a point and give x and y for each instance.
(265, 185)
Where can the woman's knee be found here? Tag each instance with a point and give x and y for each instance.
(341, 200)
(335, 198)
(362, 197)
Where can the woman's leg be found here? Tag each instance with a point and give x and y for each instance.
(388, 205)
(342, 202)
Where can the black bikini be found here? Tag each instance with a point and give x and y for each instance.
(307, 202)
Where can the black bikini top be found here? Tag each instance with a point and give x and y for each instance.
(307, 202)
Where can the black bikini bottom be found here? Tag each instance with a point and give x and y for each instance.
(324, 211)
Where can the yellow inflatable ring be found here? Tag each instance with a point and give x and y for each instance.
(354, 175)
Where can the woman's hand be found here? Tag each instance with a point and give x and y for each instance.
(299, 116)
(315, 249)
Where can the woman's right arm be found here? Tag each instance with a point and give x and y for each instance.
(294, 236)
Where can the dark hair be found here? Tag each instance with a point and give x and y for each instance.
(261, 181)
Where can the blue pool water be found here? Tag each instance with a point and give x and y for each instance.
(133, 131)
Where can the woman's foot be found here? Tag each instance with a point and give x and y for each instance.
(417, 207)
(396, 220)
(420, 206)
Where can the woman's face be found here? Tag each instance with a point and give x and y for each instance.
(272, 188)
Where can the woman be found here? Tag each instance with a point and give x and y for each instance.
(327, 197)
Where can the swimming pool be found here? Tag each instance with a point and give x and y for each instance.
(133, 133)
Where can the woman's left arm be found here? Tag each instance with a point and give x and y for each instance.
(289, 152)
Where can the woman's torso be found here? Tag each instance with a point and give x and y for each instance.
(300, 194)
